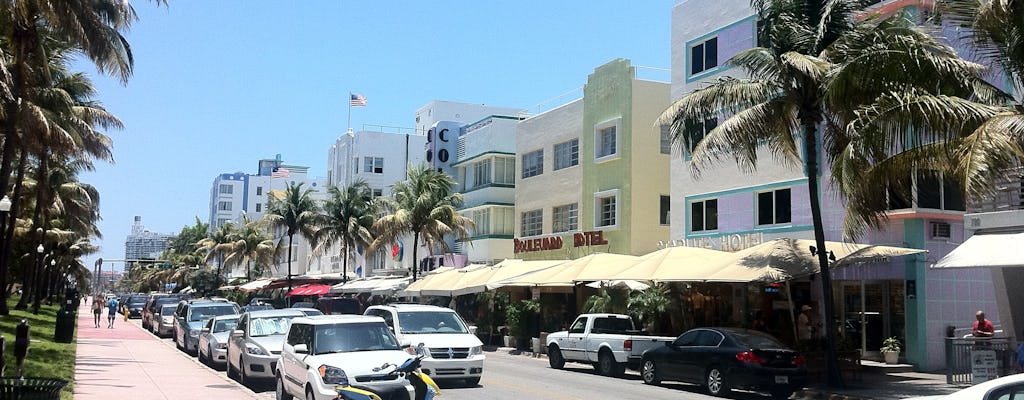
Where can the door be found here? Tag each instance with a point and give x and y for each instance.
(868, 311)
(572, 348)
(236, 343)
(676, 358)
(699, 356)
(293, 366)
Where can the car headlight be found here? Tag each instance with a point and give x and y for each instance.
(193, 333)
(476, 350)
(255, 350)
(167, 320)
(222, 345)
(333, 375)
(423, 351)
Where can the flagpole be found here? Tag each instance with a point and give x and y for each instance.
(349, 111)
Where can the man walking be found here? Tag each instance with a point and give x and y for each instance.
(111, 312)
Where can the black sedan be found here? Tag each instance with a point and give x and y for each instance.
(722, 359)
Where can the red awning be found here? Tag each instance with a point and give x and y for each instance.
(310, 290)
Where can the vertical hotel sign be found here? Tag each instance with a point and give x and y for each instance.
(579, 239)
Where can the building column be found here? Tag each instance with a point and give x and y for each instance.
(915, 270)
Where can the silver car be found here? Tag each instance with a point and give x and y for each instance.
(213, 340)
(255, 345)
(164, 320)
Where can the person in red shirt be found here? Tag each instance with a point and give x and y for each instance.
(983, 327)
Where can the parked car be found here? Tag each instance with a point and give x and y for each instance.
(308, 311)
(153, 304)
(1004, 388)
(254, 307)
(191, 315)
(302, 304)
(255, 345)
(164, 319)
(213, 339)
(339, 306)
(134, 304)
(608, 341)
(721, 359)
(323, 351)
(454, 352)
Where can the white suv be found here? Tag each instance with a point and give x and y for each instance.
(452, 350)
(324, 351)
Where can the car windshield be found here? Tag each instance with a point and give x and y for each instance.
(343, 338)
(267, 326)
(167, 310)
(431, 322)
(207, 312)
(756, 340)
(138, 299)
(224, 325)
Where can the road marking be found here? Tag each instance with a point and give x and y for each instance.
(546, 394)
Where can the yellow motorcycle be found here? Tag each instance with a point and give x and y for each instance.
(425, 387)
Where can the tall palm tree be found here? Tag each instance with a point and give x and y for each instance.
(250, 245)
(348, 216)
(217, 245)
(297, 212)
(423, 205)
(806, 76)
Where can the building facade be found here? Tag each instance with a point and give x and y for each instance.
(592, 174)
(729, 209)
(143, 244)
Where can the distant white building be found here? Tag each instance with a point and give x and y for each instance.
(142, 244)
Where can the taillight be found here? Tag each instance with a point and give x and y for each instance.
(799, 360)
(749, 357)
(627, 344)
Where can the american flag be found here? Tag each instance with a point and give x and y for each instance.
(357, 100)
(279, 172)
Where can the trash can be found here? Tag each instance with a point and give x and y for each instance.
(31, 388)
(64, 330)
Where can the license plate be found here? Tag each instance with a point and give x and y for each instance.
(782, 379)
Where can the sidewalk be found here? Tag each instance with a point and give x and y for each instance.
(127, 362)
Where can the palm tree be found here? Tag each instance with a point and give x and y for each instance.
(348, 217)
(424, 206)
(250, 245)
(806, 77)
(297, 213)
(217, 245)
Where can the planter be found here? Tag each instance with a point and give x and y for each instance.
(535, 345)
(510, 341)
(891, 357)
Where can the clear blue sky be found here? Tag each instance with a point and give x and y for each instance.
(221, 84)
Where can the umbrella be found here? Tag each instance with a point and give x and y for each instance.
(995, 250)
(483, 279)
(685, 264)
(595, 267)
(438, 279)
(793, 257)
(310, 290)
(254, 285)
(619, 283)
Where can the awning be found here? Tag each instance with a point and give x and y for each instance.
(483, 279)
(254, 285)
(594, 267)
(986, 250)
(678, 264)
(310, 290)
(372, 285)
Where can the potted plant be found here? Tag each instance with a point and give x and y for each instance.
(518, 316)
(891, 350)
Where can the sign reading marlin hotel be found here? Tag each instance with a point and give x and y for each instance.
(579, 239)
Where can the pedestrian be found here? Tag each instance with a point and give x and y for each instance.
(1020, 355)
(97, 309)
(982, 327)
(111, 312)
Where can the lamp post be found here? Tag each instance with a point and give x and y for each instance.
(5, 209)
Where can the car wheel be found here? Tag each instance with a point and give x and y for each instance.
(606, 364)
(280, 392)
(201, 359)
(555, 359)
(649, 372)
(473, 382)
(717, 386)
(241, 374)
(231, 368)
(309, 394)
(781, 394)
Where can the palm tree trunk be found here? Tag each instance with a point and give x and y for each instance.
(289, 266)
(415, 246)
(8, 224)
(344, 263)
(811, 151)
(248, 277)
(43, 209)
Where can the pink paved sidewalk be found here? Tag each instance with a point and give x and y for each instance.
(127, 362)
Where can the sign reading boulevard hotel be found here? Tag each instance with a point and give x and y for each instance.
(579, 239)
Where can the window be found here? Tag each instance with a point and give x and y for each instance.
(226, 189)
(224, 206)
(605, 141)
(579, 326)
(482, 220)
(565, 218)
(774, 207)
(221, 222)
(378, 192)
(696, 132)
(503, 220)
(505, 170)
(481, 173)
(533, 163)
(940, 230)
(532, 223)
(259, 190)
(664, 207)
(606, 208)
(666, 139)
(567, 154)
(373, 165)
(704, 215)
(259, 207)
(704, 56)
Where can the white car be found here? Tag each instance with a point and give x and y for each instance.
(1005, 388)
(213, 340)
(254, 347)
(325, 351)
(454, 351)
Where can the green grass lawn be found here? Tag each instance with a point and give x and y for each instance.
(46, 359)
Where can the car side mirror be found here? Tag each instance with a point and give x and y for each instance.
(301, 348)
(237, 333)
(205, 330)
(472, 329)
(405, 342)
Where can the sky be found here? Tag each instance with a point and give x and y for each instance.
(219, 85)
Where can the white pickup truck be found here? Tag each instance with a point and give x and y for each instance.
(608, 341)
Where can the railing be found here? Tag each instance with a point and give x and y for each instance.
(962, 356)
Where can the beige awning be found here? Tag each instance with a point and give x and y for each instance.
(793, 257)
(595, 267)
(254, 285)
(681, 263)
(489, 278)
(995, 250)
(437, 282)
(373, 285)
